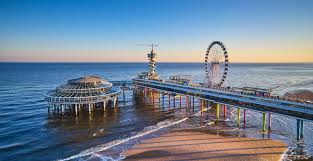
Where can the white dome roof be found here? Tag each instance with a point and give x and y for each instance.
(89, 79)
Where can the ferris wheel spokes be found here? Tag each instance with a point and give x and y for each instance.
(216, 64)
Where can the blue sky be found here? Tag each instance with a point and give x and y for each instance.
(76, 30)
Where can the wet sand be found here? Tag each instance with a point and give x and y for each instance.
(196, 145)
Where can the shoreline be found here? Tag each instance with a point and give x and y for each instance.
(196, 144)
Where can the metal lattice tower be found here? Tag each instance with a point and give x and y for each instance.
(152, 67)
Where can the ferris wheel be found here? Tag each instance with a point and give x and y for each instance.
(216, 64)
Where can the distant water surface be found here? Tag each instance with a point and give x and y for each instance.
(27, 132)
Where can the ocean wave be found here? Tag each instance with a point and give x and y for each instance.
(147, 130)
(291, 84)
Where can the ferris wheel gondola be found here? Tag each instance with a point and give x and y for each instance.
(216, 64)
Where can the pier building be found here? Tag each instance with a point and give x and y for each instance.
(85, 93)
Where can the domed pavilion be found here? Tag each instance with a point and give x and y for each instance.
(84, 93)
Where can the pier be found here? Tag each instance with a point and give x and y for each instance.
(213, 94)
(82, 94)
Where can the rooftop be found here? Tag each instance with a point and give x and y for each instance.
(88, 79)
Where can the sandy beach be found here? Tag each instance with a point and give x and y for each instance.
(197, 145)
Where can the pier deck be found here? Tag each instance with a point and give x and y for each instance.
(238, 100)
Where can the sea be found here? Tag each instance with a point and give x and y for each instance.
(29, 133)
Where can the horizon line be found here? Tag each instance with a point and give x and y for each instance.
(145, 62)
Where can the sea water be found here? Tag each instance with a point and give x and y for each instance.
(28, 132)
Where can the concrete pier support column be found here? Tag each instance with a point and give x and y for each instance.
(180, 100)
(89, 108)
(123, 94)
(163, 98)
(169, 100)
(187, 102)
(298, 129)
(104, 104)
(201, 105)
(244, 118)
(301, 129)
(159, 98)
(225, 112)
(269, 122)
(264, 122)
(217, 111)
(152, 97)
(193, 102)
(114, 102)
(238, 117)
(76, 111)
(60, 109)
(145, 92)
(49, 106)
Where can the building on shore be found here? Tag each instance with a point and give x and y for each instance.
(82, 94)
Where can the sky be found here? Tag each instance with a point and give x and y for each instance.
(109, 31)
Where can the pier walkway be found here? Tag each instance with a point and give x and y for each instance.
(225, 97)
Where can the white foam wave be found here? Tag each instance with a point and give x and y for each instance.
(109, 145)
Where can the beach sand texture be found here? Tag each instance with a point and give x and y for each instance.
(196, 145)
